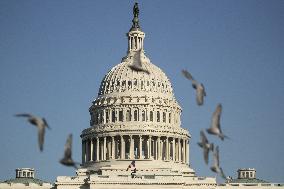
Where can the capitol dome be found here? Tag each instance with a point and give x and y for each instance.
(135, 117)
(122, 79)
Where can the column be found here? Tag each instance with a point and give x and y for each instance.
(129, 44)
(87, 150)
(112, 148)
(174, 149)
(179, 150)
(159, 148)
(167, 148)
(184, 153)
(98, 149)
(140, 147)
(156, 149)
(92, 150)
(104, 149)
(150, 147)
(132, 43)
(121, 147)
(187, 152)
(83, 151)
(131, 150)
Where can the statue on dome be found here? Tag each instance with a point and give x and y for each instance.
(135, 20)
(136, 10)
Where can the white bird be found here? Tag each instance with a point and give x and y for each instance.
(205, 145)
(199, 87)
(215, 128)
(216, 166)
(137, 62)
(67, 158)
(40, 123)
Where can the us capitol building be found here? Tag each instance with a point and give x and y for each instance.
(136, 117)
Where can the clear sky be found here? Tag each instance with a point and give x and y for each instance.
(54, 54)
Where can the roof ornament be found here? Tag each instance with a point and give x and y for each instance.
(135, 19)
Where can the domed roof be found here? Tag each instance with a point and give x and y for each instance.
(122, 79)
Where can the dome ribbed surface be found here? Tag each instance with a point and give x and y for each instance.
(122, 78)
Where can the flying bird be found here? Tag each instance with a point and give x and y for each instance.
(67, 159)
(216, 166)
(215, 128)
(40, 123)
(205, 145)
(199, 87)
(137, 62)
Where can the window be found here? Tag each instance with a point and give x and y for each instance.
(164, 117)
(151, 115)
(120, 115)
(96, 116)
(170, 115)
(113, 116)
(158, 116)
(107, 116)
(128, 115)
(101, 116)
(136, 115)
(129, 84)
(143, 115)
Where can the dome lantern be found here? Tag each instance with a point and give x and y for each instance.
(135, 35)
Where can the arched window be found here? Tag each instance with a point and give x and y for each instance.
(113, 115)
(170, 115)
(143, 115)
(136, 115)
(120, 115)
(142, 84)
(96, 116)
(128, 115)
(129, 84)
(107, 115)
(158, 116)
(151, 115)
(164, 117)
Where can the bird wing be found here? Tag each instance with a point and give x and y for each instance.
(205, 154)
(45, 123)
(137, 63)
(216, 117)
(137, 59)
(203, 137)
(217, 155)
(203, 89)
(199, 95)
(68, 147)
(222, 174)
(187, 75)
(41, 131)
(24, 115)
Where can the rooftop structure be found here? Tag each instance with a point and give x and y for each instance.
(25, 178)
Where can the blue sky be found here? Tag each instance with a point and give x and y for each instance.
(54, 54)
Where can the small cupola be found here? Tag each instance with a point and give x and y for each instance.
(25, 173)
(135, 34)
(247, 173)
